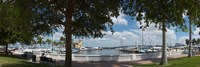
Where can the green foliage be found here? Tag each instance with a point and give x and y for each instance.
(48, 41)
(192, 7)
(20, 22)
(156, 11)
(55, 43)
(39, 40)
(63, 39)
(13, 27)
(60, 43)
(80, 18)
(198, 41)
(90, 18)
(163, 13)
(187, 41)
(194, 41)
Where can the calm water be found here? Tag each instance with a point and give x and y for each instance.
(102, 52)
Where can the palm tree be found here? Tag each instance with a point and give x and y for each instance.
(62, 39)
(194, 41)
(198, 41)
(48, 41)
(55, 43)
(39, 40)
(61, 43)
(187, 41)
(33, 42)
(43, 42)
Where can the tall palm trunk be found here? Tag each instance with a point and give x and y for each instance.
(190, 40)
(68, 32)
(164, 56)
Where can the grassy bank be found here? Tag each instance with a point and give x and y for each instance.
(180, 62)
(13, 61)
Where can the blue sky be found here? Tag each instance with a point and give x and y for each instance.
(127, 32)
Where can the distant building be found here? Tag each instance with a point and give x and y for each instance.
(77, 44)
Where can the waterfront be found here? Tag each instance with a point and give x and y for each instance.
(102, 52)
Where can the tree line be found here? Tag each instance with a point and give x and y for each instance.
(40, 40)
(194, 41)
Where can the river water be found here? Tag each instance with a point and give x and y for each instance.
(102, 52)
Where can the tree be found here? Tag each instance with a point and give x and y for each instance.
(190, 40)
(163, 13)
(48, 41)
(187, 41)
(55, 43)
(13, 24)
(194, 41)
(21, 21)
(62, 39)
(39, 40)
(198, 41)
(192, 8)
(33, 41)
(61, 43)
(81, 18)
(43, 42)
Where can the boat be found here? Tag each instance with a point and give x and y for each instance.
(129, 50)
(96, 48)
(84, 48)
(75, 50)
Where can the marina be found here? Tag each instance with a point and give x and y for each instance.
(99, 33)
(99, 54)
(106, 55)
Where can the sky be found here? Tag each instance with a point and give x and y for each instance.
(127, 32)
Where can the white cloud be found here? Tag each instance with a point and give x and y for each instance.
(194, 35)
(128, 37)
(154, 35)
(134, 36)
(109, 40)
(196, 32)
(182, 39)
(120, 20)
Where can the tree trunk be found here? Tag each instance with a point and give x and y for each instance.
(164, 56)
(190, 40)
(68, 32)
(68, 54)
(6, 49)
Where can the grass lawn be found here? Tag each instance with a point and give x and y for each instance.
(180, 62)
(12, 61)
